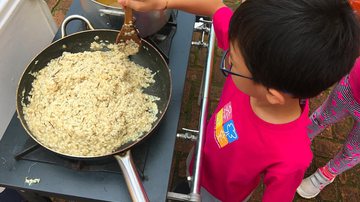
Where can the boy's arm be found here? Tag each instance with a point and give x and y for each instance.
(221, 17)
(281, 187)
(198, 7)
(221, 21)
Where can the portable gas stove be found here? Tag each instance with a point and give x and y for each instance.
(21, 158)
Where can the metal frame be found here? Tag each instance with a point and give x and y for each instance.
(207, 75)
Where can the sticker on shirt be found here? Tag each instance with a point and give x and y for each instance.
(225, 132)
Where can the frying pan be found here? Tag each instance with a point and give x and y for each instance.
(148, 57)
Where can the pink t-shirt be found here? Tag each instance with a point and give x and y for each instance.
(240, 147)
(354, 79)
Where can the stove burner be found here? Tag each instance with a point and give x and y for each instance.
(32, 151)
(163, 38)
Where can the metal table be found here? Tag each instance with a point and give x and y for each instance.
(59, 181)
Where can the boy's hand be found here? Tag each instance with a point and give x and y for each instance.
(145, 5)
(199, 7)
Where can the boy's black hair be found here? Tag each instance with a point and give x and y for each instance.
(297, 46)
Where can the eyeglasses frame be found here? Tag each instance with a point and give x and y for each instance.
(227, 70)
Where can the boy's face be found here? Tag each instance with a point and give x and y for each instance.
(245, 85)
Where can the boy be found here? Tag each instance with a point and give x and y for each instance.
(279, 53)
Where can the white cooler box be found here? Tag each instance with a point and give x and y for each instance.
(26, 28)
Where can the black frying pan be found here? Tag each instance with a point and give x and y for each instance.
(148, 57)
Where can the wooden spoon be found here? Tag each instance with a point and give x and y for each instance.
(128, 30)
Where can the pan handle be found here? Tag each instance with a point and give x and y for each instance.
(70, 18)
(131, 176)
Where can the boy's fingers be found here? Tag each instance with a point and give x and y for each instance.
(122, 2)
(137, 5)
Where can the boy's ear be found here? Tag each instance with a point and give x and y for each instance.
(274, 96)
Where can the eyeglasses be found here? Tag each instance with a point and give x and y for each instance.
(226, 68)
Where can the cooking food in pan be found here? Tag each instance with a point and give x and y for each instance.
(90, 103)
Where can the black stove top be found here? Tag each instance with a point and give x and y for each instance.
(101, 180)
(32, 151)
